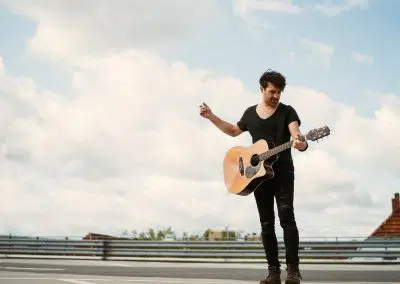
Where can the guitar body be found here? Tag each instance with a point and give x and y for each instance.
(246, 168)
(241, 176)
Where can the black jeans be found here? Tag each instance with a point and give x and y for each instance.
(281, 187)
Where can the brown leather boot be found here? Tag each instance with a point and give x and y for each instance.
(293, 274)
(273, 277)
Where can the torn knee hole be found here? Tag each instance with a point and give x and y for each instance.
(266, 225)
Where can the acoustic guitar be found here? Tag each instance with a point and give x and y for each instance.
(245, 168)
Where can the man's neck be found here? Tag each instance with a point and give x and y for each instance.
(267, 107)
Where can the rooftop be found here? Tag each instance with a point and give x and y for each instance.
(391, 226)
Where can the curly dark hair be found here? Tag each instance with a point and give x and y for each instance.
(273, 77)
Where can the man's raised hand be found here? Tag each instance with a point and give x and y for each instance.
(205, 110)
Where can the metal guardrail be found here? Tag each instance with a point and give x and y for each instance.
(378, 250)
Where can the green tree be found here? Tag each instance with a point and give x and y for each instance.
(205, 234)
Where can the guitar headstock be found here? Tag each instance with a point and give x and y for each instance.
(318, 133)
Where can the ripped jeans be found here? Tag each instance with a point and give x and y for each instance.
(281, 187)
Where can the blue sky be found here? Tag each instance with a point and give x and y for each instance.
(233, 50)
(229, 48)
(15, 31)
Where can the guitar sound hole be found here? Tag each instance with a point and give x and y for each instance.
(254, 160)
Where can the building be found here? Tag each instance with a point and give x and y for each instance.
(253, 237)
(211, 235)
(390, 227)
(95, 236)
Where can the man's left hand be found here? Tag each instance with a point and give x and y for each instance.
(299, 145)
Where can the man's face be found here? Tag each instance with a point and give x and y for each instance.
(271, 95)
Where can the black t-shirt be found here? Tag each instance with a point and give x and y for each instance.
(267, 129)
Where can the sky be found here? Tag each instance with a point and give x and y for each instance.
(100, 125)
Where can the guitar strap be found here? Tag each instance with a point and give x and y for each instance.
(281, 123)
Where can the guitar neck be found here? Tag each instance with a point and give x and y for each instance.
(278, 149)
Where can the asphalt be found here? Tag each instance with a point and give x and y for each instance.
(166, 272)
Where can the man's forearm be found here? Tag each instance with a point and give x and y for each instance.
(224, 126)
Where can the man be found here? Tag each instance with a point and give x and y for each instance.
(261, 121)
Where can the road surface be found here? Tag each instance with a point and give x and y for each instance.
(29, 271)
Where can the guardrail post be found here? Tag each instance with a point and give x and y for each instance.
(106, 249)
(66, 246)
(9, 245)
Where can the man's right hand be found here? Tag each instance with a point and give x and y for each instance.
(205, 111)
(226, 127)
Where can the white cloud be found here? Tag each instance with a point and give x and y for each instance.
(322, 52)
(362, 58)
(99, 152)
(142, 141)
(256, 25)
(244, 7)
(129, 146)
(103, 26)
(2, 71)
(331, 10)
(355, 138)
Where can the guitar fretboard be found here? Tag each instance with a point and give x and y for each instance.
(278, 149)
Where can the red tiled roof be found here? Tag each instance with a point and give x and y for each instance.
(95, 236)
(391, 226)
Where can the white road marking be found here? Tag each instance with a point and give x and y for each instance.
(76, 281)
(147, 280)
(163, 280)
(33, 268)
(182, 280)
(140, 280)
(217, 281)
(68, 262)
(26, 278)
